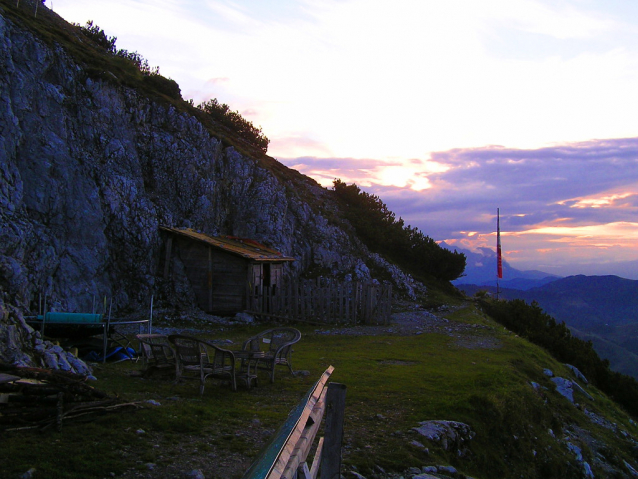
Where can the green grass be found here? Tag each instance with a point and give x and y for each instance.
(393, 383)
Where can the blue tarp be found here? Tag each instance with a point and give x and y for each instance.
(116, 354)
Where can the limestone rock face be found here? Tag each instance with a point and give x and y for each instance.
(14, 334)
(89, 170)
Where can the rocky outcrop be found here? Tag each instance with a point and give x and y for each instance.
(21, 346)
(450, 435)
(90, 169)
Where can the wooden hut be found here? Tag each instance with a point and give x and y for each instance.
(226, 273)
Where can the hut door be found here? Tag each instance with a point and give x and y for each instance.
(265, 278)
(255, 290)
(257, 279)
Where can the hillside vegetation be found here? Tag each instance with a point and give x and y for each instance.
(531, 322)
(219, 112)
(602, 309)
(407, 246)
(100, 58)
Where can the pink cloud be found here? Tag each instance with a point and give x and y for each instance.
(218, 80)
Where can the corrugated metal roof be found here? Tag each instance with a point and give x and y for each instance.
(246, 248)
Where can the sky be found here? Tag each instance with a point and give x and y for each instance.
(445, 110)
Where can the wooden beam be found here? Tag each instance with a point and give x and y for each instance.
(303, 472)
(331, 453)
(314, 469)
(303, 444)
(210, 279)
(284, 458)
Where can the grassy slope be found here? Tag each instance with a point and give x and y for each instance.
(393, 382)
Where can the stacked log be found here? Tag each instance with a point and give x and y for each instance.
(35, 398)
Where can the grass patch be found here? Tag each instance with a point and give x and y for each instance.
(393, 383)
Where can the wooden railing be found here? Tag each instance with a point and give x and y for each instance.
(325, 302)
(285, 457)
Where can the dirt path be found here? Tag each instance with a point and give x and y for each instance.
(415, 320)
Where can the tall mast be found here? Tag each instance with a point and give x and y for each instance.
(499, 260)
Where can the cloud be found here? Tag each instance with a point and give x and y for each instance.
(371, 78)
(560, 21)
(216, 81)
(540, 184)
(567, 202)
(411, 174)
(288, 148)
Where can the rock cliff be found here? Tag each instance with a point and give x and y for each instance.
(90, 169)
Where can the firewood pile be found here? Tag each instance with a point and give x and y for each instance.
(34, 398)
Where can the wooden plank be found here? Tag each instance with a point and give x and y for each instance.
(268, 464)
(210, 279)
(316, 461)
(326, 302)
(307, 438)
(347, 299)
(341, 295)
(303, 472)
(335, 410)
(8, 378)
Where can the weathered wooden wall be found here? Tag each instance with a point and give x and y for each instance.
(217, 278)
(325, 301)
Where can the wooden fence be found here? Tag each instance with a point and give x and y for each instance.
(326, 301)
(286, 455)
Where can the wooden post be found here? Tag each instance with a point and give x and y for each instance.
(331, 453)
(210, 278)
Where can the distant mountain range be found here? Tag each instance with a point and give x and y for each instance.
(600, 309)
(603, 309)
(481, 270)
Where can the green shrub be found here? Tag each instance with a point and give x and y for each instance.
(408, 247)
(222, 113)
(166, 86)
(97, 36)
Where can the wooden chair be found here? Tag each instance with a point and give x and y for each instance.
(157, 353)
(200, 360)
(275, 346)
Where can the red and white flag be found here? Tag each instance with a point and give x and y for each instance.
(499, 260)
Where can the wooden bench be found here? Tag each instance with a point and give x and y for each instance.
(286, 455)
